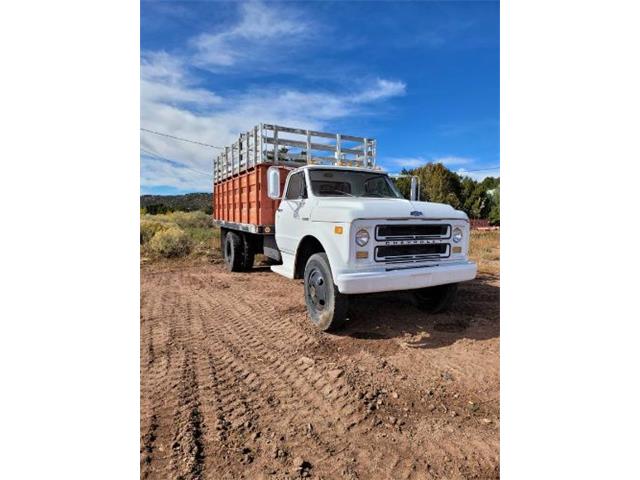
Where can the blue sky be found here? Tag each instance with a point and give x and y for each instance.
(420, 77)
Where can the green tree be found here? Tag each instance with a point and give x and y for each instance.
(494, 214)
(489, 183)
(475, 201)
(439, 184)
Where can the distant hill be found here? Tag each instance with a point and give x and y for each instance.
(168, 203)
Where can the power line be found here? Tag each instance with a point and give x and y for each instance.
(179, 138)
(155, 156)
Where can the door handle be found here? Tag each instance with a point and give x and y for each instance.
(278, 210)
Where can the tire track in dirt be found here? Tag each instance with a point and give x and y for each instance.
(263, 381)
(250, 412)
(251, 397)
(322, 391)
(155, 388)
(234, 385)
(333, 397)
(173, 425)
(187, 447)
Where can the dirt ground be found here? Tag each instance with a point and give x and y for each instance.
(237, 384)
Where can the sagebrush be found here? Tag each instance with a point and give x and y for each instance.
(148, 228)
(172, 242)
(177, 234)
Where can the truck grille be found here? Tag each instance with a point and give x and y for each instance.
(399, 232)
(388, 253)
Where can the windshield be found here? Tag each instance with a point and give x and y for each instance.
(349, 183)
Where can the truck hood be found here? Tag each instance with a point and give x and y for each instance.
(346, 210)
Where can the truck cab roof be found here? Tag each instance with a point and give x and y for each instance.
(342, 167)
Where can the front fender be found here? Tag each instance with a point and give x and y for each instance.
(335, 245)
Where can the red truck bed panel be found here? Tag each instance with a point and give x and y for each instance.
(243, 198)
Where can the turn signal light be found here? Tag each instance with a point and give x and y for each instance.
(362, 254)
(338, 230)
(457, 250)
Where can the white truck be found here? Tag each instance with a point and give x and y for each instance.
(340, 224)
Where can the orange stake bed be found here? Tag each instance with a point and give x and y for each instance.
(242, 199)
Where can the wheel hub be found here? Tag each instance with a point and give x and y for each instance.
(317, 289)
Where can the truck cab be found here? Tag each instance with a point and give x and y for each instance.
(337, 222)
(348, 230)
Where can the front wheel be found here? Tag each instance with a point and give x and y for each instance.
(327, 307)
(436, 299)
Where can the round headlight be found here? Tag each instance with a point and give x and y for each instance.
(457, 235)
(362, 237)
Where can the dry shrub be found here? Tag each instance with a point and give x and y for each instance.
(148, 228)
(171, 242)
(485, 249)
(197, 219)
(485, 245)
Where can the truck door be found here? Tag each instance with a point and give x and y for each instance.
(292, 214)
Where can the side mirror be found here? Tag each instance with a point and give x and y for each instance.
(415, 189)
(273, 183)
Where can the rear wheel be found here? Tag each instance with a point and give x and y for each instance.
(233, 252)
(327, 307)
(436, 299)
(248, 253)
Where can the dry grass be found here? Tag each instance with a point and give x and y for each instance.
(177, 235)
(485, 249)
(172, 242)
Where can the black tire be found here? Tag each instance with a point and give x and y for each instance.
(436, 299)
(327, 307)
(233, 252)
(248, 253)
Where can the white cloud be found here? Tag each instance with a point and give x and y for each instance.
(260, 21)
(478, 175)
(163, 78)
(398, 163)
(173, 102)
(381, 89)
(157, 173)
(250, 41)
(452, 160)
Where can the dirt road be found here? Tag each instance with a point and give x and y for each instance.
(236, 383)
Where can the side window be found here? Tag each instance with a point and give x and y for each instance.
(297, 188)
